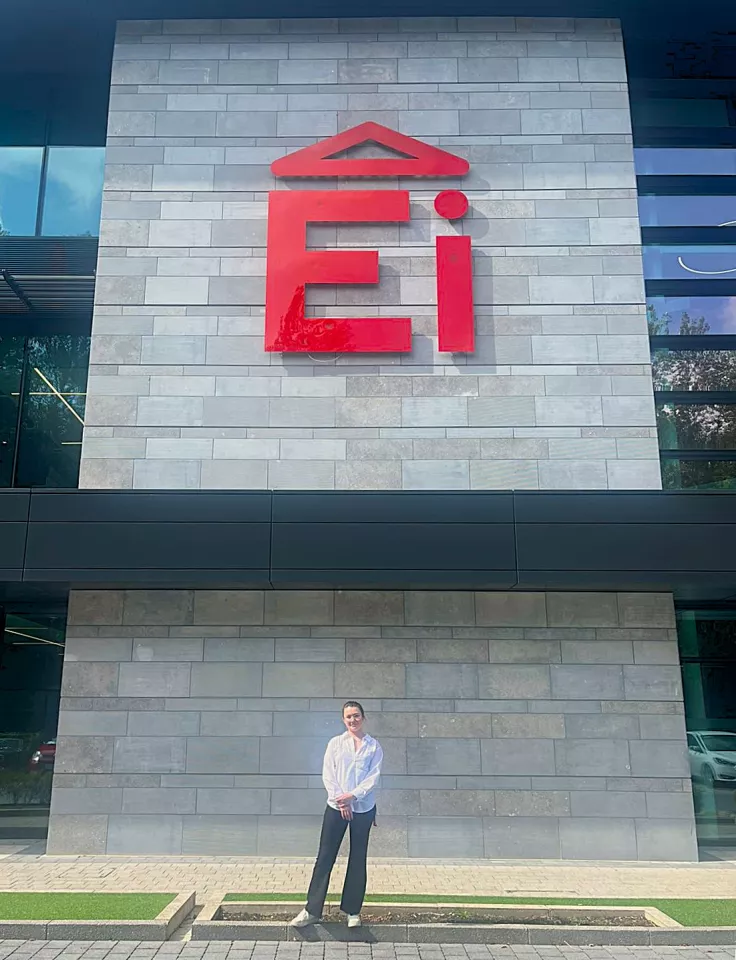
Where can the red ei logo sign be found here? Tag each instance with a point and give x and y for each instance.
(290, 266)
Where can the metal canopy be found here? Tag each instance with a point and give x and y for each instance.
(47, 276)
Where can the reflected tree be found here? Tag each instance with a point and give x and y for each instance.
(52, 414)
(11, 366)
(53, 411)
(693, 426)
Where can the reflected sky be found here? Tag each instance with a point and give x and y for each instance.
(689, 262)
(73, 196)
(686, 211)
(684, 161)
(719, 314)
(20, 177)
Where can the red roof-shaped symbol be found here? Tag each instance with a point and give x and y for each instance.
(419, 160)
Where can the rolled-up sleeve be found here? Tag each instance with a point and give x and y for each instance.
(370, 781)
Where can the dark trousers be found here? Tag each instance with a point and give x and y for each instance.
(333, 830)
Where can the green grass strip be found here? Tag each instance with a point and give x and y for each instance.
(83, 906)
(690, 913)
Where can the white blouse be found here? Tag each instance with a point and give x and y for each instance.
(346, 770)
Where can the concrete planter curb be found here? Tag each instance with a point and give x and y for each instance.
(537, 935)
(159, 929)
(666, 933)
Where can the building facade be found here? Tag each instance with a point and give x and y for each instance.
(474, 543)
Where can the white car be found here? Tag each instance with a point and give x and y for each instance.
(712, 756)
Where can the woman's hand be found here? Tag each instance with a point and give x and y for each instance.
(345, 804)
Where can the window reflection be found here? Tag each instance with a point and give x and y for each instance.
(679, 112)
(683, 474)
(11, 366)
(691, 316)
(696, 426)
(656, 211)
(714, 639)
(52, 413)
(73, 192)
(31, 658)
(708, 651)
(20, 180)
(693, 369)
(688, 262)
(684, 161)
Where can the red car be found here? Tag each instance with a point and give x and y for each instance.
(42, 760)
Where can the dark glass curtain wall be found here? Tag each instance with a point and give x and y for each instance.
(31, 657)
(708, 652)
(685, 132)
(42, 399)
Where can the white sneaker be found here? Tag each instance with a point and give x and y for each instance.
(304, 919)
(354, 920)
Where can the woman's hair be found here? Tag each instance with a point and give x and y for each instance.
(353, 703)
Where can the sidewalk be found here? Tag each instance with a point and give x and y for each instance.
(24, 869)
(248, 950)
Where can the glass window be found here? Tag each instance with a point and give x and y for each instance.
(20, 180)
(670, 112)
(31, 656)
(11, 367)
(687, 211)
(708, 650)
(689, 262)
(691, 316)
(694, 369)
(720, 742)
(712, 636)
(53, 412)
(696, 426)
(73, 192)
(698, 474)
(684, 161)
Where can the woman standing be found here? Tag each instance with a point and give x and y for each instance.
(350, 773)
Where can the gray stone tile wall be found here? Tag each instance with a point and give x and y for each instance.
(558, 392)
(514, 725)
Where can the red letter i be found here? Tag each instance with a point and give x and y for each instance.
(454, 280)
